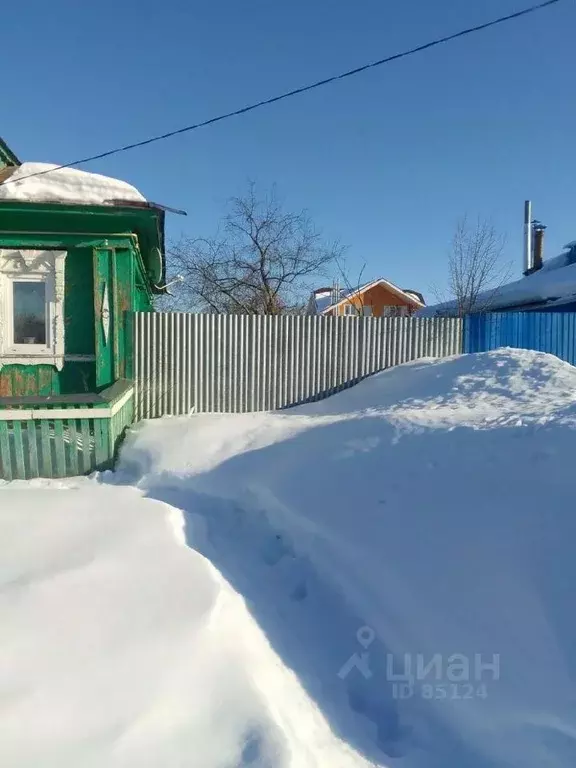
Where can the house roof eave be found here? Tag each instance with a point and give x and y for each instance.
(147, 222)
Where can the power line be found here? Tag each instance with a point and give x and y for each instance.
(297, 91)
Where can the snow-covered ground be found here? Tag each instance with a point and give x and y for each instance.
(382, 578)
(120, 646)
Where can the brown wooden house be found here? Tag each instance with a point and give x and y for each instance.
(378, 298)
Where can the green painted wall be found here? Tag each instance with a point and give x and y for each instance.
(103, 265)
(79, 303)
(92, 262)
(75, 377)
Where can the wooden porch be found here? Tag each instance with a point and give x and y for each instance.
(64, 435)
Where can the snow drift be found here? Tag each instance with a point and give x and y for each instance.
(351, 566)
(122, 647)
(425, 514)
(46, 183)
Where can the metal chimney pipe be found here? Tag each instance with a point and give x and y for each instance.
(528, 260)
(335, 292)
(538, 247)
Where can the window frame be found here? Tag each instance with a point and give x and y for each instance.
(16, 348)
(38, 266)
(395, 310)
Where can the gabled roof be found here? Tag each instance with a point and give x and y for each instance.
(321, 300)
(7, 157)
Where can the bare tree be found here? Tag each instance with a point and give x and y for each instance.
(260, 263)
(351, 286)
(475, 269)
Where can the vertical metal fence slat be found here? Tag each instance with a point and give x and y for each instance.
(188, 362)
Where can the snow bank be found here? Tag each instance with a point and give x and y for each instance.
(65, 185)
(392, 540)
(120, 646)
(383, 578)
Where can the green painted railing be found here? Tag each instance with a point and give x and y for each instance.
(59, 438)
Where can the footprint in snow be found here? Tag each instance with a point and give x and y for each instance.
(374, 702)
(275, 549)
(300, 592)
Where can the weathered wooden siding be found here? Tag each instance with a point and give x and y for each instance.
(76, 375)
(45, 380)
(86, 370)
(78, 303)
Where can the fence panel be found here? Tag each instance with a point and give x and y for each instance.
(237, 363)
(553, 332)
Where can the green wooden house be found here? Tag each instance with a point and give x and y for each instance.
(79, 253)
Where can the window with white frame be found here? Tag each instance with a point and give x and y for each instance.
(350, 309)
(32, 307)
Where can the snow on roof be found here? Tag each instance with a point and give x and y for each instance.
(415, 295)
(324, 300)
(65, 185)
(554, 283)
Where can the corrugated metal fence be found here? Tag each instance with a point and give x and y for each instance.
(553, 332)
(236, 363)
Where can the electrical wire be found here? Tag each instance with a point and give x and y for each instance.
(296, 91)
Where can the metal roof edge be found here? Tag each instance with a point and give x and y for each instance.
(7, 156)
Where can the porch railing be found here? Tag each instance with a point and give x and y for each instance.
(66, 436)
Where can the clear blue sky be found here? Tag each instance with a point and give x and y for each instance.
(385, 161)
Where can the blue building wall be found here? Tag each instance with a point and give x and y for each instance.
(553, 332)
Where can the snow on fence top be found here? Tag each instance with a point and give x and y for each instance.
(65, 185)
